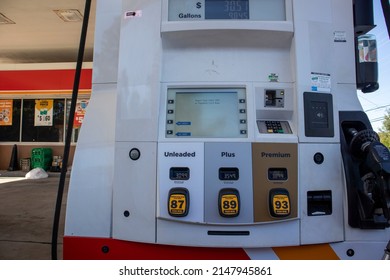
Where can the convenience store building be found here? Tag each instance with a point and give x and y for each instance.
(34, 106)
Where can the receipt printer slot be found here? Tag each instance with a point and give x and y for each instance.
(319, 203)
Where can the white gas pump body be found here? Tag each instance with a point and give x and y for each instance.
(212, 102)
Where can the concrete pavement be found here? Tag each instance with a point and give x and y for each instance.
(26, 216)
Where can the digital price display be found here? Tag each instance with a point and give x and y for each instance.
(179, 173)
(277, 174)
(279, 203)
(228, 174)
(227, 9)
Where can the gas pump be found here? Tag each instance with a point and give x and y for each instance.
(231, 131)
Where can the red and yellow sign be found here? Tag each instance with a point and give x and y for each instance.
(79, 114)
(6, 107)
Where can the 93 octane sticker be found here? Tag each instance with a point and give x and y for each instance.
(281, 205)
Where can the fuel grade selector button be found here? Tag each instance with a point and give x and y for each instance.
(178, 202)
(229, 203)
(279, 203)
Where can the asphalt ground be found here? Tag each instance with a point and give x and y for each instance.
(27, 209)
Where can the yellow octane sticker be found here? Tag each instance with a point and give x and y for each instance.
(229, 204)
(177, 204)
(281, 204)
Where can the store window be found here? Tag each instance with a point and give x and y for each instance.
(79, 114)
(39, 120)
(10, 120)
(43, 120)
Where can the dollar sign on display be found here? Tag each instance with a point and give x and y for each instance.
(199, 5)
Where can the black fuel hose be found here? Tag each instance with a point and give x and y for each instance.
(69, 129)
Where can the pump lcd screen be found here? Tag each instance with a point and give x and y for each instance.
(277, 174)
(206, 113)
(227, 9)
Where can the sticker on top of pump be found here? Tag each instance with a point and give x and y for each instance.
(279, 203)
(229, 203)
(178, 202)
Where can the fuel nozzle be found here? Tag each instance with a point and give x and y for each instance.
(374, 158)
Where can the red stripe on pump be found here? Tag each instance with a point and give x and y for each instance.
(87, 248)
